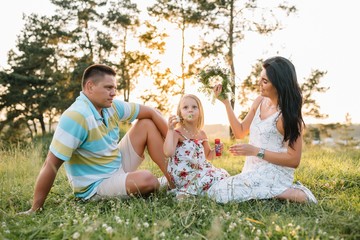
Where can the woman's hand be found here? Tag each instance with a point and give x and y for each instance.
(217, 90)
(243, 149)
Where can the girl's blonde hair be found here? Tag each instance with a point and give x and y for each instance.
(200, 122)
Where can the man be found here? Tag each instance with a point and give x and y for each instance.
(87, 140)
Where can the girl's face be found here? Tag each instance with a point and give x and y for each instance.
(267, 89)
(189, 109)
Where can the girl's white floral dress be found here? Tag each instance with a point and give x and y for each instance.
(191, 173)
(259, 179)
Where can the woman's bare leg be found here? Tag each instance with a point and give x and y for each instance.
(294, 195)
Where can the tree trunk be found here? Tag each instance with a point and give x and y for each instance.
(230, 59)
(29, 128)
(50, 122)
(34, 125)
(182, 59)
(42, 124)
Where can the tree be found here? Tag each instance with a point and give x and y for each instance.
(321, 132)
(52, 54)
(310, 87)
(346, 140)
(249, 88)
(123, 20)
(30, 86)
(85, 45)
(229, 21)
(164, 85)
(184, 15)
(81, 18)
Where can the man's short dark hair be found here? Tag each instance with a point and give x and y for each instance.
(96, 70)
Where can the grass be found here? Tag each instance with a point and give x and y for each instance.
(332, 174)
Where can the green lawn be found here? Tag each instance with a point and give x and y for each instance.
(332, 174)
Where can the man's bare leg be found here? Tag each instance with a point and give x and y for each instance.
(145, 134)
(141, 182)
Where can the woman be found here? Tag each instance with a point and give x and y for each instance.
(275, 125)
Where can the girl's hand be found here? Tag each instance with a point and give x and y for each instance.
(173, 120)
(221, 147)
(243, 149)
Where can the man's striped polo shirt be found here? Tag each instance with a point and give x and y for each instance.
(88, 142)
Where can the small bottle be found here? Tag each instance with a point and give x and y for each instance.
(217, 147)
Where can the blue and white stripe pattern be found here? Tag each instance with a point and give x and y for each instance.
(88, 142)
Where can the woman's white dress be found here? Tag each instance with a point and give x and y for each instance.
(259, 179)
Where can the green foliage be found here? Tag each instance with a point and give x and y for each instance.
(30, 85)
(52, 52)
(228, 23)
(46, 71)
(332, 175)
(346, 140)
(165, 84)
(249, 89)
(184, 15)
(213, 76)
(308, 88)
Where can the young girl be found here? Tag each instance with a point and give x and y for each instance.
(188, 149)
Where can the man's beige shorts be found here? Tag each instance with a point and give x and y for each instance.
(115, 186)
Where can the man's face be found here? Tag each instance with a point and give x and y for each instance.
(102, 92)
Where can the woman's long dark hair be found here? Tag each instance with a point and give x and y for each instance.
(281, 73)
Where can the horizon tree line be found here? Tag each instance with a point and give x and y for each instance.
(52, 52)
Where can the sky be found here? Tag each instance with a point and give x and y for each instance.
(323, 35)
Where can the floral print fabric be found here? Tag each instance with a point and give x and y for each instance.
(190, 171)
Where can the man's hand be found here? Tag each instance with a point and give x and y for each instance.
(28, 212)
(45, 181)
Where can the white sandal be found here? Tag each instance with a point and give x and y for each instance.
(164, 184)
